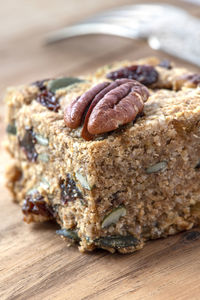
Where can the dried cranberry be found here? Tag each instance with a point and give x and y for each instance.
(46, 97)
(49, 100)
(165, 63)
(40, 84)
(35, 204)
(69, 190)
(28, 144)
(143, 73)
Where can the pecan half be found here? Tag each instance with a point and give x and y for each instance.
(106, 106)
(74, 112)
(145, 74)
(41, 84)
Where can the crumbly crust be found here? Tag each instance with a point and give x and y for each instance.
(150, 168)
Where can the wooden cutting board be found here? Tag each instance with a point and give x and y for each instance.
(34, 262)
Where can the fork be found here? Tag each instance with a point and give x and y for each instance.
(165, 27)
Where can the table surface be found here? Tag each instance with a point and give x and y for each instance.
(34, 262)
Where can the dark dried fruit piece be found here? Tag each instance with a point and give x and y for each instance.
(145, 74)
(165, 63)
(41, 84)
(35, 204)
(69, 233)
(69, 190)
(49, 100)
(28, 145)
(117, 241)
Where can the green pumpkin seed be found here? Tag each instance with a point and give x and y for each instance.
(44, 183)
(42, 140)
(114, 216)
(83, 181)
(11, 129)
(59, 83)
(69, 233)
(161, 166)
(44, 157)
(117, 241)
(32, 191)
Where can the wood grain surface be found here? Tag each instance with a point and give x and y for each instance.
(34, 262)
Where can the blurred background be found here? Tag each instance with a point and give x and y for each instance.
(25, 24)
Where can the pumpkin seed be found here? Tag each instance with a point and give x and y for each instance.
(11, 129)
(44, 157)
(42, 140)
(117, 241)
(62, 82)
(83, 181)
(32, 191)
(114, 216)
(44, 183)
(161, 166)
(69, 233)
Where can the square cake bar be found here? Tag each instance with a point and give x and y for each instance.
(113, 168)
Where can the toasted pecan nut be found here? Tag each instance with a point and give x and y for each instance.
(74, 112)
(119, 106)
(108, 106)
(85, 133)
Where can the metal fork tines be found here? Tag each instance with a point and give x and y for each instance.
(136, 18)
(161, 24)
